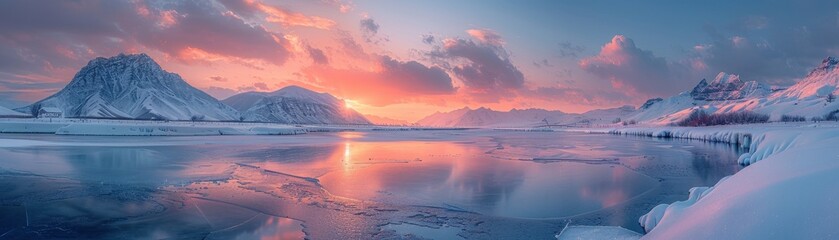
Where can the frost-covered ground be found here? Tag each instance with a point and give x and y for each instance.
(788, 191)
(473, 184)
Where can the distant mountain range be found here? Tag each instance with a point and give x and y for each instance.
(485, 117)
(386, 121)
(813, 96)
(134, 86)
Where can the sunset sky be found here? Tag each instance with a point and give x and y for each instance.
(407, 59)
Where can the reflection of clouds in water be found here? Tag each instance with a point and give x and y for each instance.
(262, 226)
(482, 182)
(713, 161)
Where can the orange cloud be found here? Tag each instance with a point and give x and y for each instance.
(279, 15)
(390, 81)
(486, 36)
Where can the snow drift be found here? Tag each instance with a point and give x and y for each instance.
(786, 192)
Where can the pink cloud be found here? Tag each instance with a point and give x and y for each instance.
(484, 67)
(486, 36)
(630, 68)
(279, 15)
(261, 86)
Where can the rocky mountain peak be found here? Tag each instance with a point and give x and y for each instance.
(134, 86)
(827, 65)
(727, 87)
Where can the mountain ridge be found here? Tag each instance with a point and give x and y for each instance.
(295, 105)
(812, 97)
(133, 86)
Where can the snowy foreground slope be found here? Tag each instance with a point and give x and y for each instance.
(788, 191)
(133, 86)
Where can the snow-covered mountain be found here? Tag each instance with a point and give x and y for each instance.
(485, 117)
(728, 87)
(5, 112)
(608, 115)
(813, 96)
(294, 104)
(724, 90)
(133, 86)
(444, 119)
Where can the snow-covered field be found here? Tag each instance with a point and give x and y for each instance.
(788, 191)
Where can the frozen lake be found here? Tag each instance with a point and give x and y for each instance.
(401, 184)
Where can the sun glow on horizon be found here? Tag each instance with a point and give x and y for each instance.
(350, 104)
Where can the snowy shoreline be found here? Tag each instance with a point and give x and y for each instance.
(786, 192)
(113, 127)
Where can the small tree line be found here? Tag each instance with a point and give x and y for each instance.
(793, 118)
(701, 118)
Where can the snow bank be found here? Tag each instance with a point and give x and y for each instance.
(651, 219)
(787, 192)
(111, 127)
(30, 127)
(101, 127)
(134, 130)
(172, 130)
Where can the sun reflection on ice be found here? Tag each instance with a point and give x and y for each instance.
(347, 156)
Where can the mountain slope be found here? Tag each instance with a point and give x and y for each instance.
(295, 105)
(5, 112)
(724, 90)
(728, 87)
(813, 96)
(134, 87)
(385, 120)
(443, 119)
